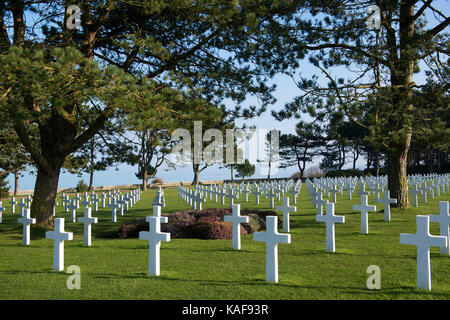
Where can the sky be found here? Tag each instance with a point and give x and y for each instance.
(285, 92)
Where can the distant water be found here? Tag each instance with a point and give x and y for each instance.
(126, 175)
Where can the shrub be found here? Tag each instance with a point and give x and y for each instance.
(82, 186)
(132, 229)
(176, 222)
(211, 230)
(255, 223)
(204, 224)
(157, 181)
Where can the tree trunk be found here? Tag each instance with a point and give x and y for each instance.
(232, 174)
(92, 165)
(91, 180)
(144, 180)
(196, 168)
(44, 196)
(397, 177)
(16, 183)
(377, 163)
(196, 177)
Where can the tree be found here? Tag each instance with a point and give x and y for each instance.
(245, 169)
(87, 160)
(4, 187)
(383, 61)
(354, 136)
(432, 123)
(300, 148)
(272, 150)
(13, 156)
(137, 44)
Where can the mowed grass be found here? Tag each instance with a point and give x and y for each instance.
(211, 269)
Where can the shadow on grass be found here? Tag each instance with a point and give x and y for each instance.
(43, 271)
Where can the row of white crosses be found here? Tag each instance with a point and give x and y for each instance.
(271, 237)
(363, 207)
(422, 239)
(87, 220)
(422, 184)
(271, 190)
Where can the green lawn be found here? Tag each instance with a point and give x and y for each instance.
(211, 269)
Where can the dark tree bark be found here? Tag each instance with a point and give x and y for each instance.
(16, 183)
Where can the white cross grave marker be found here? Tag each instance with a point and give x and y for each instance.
(271, 237)
(364, 208)
(387, 205)
(73, 210)
(13, 203)
(330, 219)
(1, 210)
(236, 219)
(26, 221)
(87, 220)
(154, 236)
(58, 236)
(22, 205)
(444, 221)
(423, 240)
(285, 208)
(113, 205)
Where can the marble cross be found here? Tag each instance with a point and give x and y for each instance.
(362, 191)
(414, 191)
(236, 219)
(424, 193)
(26, 221)
(294, 193)
(271, 237)
(334, 191)
(87, 220)
(387, 205)
(154, 236)
(54, 207)
(285, 208)
(113, 205)
(271, 196)
(29, 200)
(320, 202)
(157, 213)
(1, 210)
(231, 196)
(197, 201)
(103, 197)
(423, 240)
(22, 205)
(77, 200)
(246, 192)
(73, 210)
(85, 203)
(95, 200)
(58, 236)
(364, 208)
(330, 219)
(13, 203)
(444, 221)
(121, 204)
(256, 193)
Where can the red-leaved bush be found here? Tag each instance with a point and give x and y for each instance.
(204, 224)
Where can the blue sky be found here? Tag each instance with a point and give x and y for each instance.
(285, 92)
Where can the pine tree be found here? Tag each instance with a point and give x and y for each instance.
(4, 187)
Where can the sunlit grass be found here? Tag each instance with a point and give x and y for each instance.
(210, 269)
